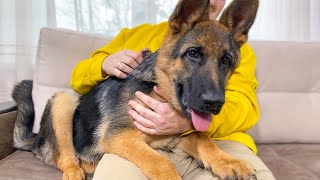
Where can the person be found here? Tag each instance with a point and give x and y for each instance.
(228, 129)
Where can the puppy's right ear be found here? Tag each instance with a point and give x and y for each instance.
(239, 17)
(187, 13)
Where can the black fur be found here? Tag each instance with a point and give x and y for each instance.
(44, 146)
(23, 137)
(110, 94)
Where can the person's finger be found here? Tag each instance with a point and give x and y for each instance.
(149, 101)
(119, 74)
(144, 112)
(141, 120)
(157, 90)
(137, 56)
(145, 130)
(124, 68)
(130, 62)
(139, 59)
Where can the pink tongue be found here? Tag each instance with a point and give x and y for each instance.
(201, 121)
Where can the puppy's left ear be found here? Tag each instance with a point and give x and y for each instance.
(239, 17)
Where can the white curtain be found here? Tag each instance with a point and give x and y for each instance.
(21, 20)
(278, 20)
(109, 16)
(287, 20)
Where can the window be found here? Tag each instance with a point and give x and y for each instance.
(280, 20)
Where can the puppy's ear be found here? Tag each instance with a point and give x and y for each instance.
(187, 13)
(239, 17)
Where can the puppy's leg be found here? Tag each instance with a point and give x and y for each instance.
(63, 108)
(132, 145)
(200, 146)
(87, 167)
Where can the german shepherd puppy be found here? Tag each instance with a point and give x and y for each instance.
(191, 68)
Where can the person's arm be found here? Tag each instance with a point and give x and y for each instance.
(104, 62)
(88, 72)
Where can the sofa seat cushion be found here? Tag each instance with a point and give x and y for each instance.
(292, 161)
(24, 165)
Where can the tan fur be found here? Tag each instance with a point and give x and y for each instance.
(102, 131)
(88, 168)
(62, 111)
(166, 72)
(140, 153)
(154, 95)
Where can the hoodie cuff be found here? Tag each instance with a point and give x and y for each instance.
(96, 68)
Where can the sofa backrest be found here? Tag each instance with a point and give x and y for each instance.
(288, 92)
(288, 75)
(59, 50)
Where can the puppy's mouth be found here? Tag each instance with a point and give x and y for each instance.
(200, 120)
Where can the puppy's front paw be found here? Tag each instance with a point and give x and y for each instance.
(74, 173)
(226, 167)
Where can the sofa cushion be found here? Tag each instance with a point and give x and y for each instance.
(24, 165)
(292, 161)
(59, 51)
(288, 92)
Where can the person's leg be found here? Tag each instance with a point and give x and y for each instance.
(114, 167)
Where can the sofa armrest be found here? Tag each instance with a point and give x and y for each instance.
(8, 115)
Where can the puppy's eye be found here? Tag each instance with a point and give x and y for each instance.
(226, 60)
(193, 53)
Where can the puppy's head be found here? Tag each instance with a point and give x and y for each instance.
(199, 55)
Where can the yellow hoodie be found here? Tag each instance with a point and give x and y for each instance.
(240, 111)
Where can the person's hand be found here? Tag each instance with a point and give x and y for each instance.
(160, 119)
(120, 64)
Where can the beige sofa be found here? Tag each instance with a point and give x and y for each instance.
(289, 96)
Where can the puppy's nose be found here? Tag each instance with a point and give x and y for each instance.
(213, 102)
